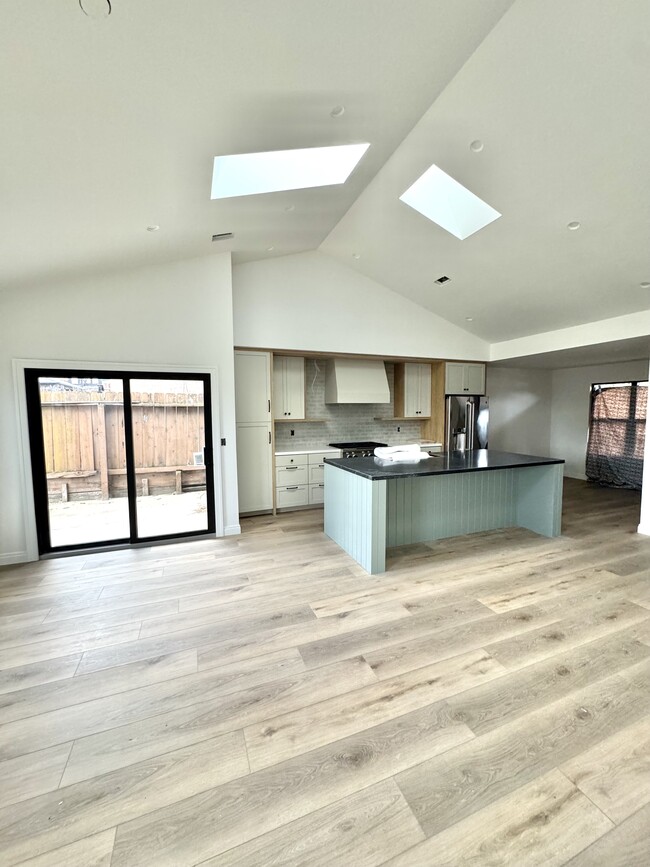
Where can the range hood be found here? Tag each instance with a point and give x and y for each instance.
(351, 380)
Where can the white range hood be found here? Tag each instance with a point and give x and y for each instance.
(351, 380)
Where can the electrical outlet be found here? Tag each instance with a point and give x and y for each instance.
(398, 428)
(293, 433)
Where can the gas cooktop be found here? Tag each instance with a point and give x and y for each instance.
(358, 449)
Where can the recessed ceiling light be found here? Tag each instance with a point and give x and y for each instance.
(337, 111)
(452, 206)
(645, 285)
(356, 255)
(469, 319)
(251, 174)
(96, 8)
(270, 249)
(476, 146)
(290, 208)
(573, 225)
(153, 228)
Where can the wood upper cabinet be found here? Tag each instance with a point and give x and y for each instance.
(412, 390)
(288, 387)
(461, 378)
(252, 386)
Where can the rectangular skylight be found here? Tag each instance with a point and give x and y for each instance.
(249, 174)
(452, 206)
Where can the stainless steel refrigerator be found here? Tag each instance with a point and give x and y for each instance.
(466, 421)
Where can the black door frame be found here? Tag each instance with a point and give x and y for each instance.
(37, 453)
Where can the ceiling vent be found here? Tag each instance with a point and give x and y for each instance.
(223, 236)
(443, 279)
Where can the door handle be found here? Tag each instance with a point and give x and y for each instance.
(292, 488)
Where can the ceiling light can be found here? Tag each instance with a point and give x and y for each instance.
(645, 284)
(337, 111)
(573, 225)
(153, 228)
(476, 146)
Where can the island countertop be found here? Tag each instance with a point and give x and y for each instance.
(443, 463)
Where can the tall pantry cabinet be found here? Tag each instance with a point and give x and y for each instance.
(254, 436)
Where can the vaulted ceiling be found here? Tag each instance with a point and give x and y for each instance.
(111, 124)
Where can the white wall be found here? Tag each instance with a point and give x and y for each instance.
(570, 408)
(520, 410)
(310, 301)
(174, 314)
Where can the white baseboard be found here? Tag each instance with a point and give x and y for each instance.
(232, 530)
(14, 557)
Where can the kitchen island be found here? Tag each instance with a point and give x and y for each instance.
(372, 505)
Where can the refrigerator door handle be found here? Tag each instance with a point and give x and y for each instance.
(470, 425)
(449, 442)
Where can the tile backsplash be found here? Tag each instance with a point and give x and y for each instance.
(343, 422)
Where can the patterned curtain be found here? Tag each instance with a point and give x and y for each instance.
(617, 434)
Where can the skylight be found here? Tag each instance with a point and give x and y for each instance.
(249, 174)
(452, 206)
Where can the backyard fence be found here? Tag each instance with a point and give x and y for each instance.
(85, 455)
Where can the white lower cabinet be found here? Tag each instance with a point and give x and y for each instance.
(254, 468)
(291, 496)
(299, 479)
(316, 494)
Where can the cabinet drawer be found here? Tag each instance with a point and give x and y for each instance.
(292, 495)
(291, 460)
(291, 476)
(318, 458)
(316, 493)
(316, 473)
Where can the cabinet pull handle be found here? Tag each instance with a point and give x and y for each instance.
(291, 468)
(293, 488)
(269, 403)
(269, 437)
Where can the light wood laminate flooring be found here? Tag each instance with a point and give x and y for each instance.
(259, 700)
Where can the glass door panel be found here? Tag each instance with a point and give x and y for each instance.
(169, 447)
(82, 422)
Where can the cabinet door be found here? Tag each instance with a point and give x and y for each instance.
(252, 387)
(424, 390)
(455, 378)
(288, 387)
(476, 378)
(411, 390)
(254, 467)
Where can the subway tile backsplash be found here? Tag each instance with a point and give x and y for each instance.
(343, 422)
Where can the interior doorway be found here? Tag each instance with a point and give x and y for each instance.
(119, 457)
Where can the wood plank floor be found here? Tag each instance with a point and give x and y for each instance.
(260, 700)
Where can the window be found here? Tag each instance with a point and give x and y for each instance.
(617, 423)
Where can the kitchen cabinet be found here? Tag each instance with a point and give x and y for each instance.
(300, 479)
(254, 467)
(288, 387)
(254, 435)
(417, 390)
(463, 378)
(412, 390)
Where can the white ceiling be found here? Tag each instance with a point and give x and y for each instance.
(111, 125)
(635, 349)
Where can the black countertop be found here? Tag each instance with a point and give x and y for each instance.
(475, 461)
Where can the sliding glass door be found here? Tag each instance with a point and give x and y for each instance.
(119, 457)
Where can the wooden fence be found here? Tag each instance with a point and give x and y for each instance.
(85, 455)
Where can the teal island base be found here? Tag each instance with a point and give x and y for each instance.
(368, 511)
